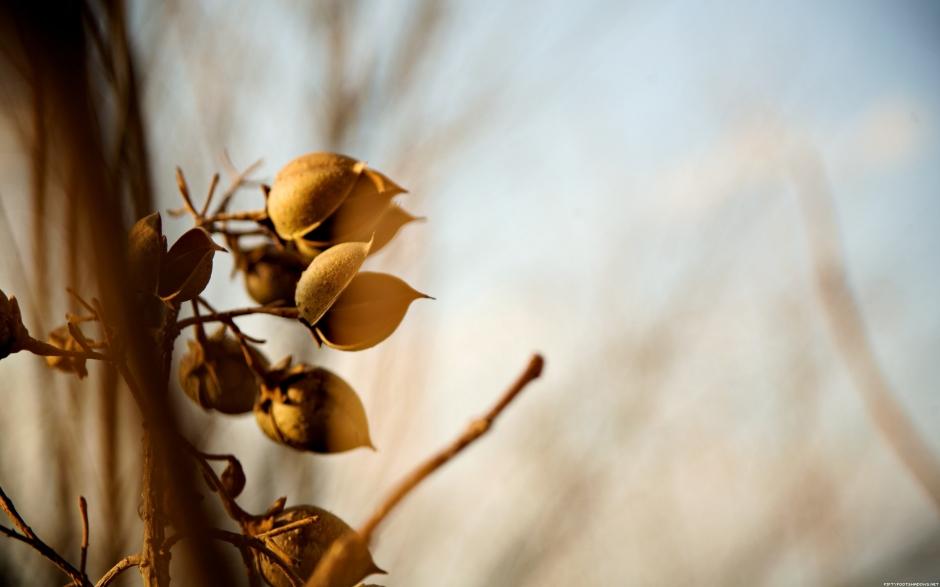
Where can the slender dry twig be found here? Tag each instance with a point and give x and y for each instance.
(473, 432)
(83, 508)
(847, 326)
(38, 347)
(122, 565)
(343, 550)
(237, 182)
(281, 311)
(27, 536)
(212, 185)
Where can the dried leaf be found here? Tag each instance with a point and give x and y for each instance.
(313, 409)
(367, 312)
(187, 267)
(394, 218)
(308, 189)
(146, 247)
(308, 544)
(326, 277)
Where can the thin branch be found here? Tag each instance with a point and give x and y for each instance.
(29, 537)
(281, 311)
(236, 183)
(212, 185)
(344, 550)
(83, 509)
(44, 349)
(246, 215)
(473, 432)
(122, 565)
(847, 326)
(184, 192)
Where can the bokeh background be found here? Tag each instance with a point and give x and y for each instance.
(633, 189)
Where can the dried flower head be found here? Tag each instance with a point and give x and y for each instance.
(62, 338)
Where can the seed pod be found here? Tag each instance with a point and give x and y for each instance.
(146, 247)
(12, 331)
(359, 214)
(311, 188)
(271, 274)
(367, 312)
(313, 409)
(326, 277)
(233, 478)
(309, 543)
(214, 374)
(187, 267)
(62, 338)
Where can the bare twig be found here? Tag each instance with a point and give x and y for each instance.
(281, 311)
(83, 509)
(246, 215)
(476, 429)
(847, 326)
(28, 536)
(184, 192)
(122, 565)
(44, 349)
(237, 182)
(212, 185)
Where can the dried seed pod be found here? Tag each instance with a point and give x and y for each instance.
(394, 218)
(367, 312)
(214, 374)
(313, 409)
(271, 274)
(233, 478)
(359, 214)
(309, 543)
(312, 187)
(62, 338)
(326, 277)
(12, 332)
(146, 247)
(187, 266)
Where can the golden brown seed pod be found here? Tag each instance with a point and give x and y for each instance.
(312, 187)
(327, 276)
(271, 274)
(214, 374)
(367, 312)
(309, 543)
(308, 189)
(313, 409)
